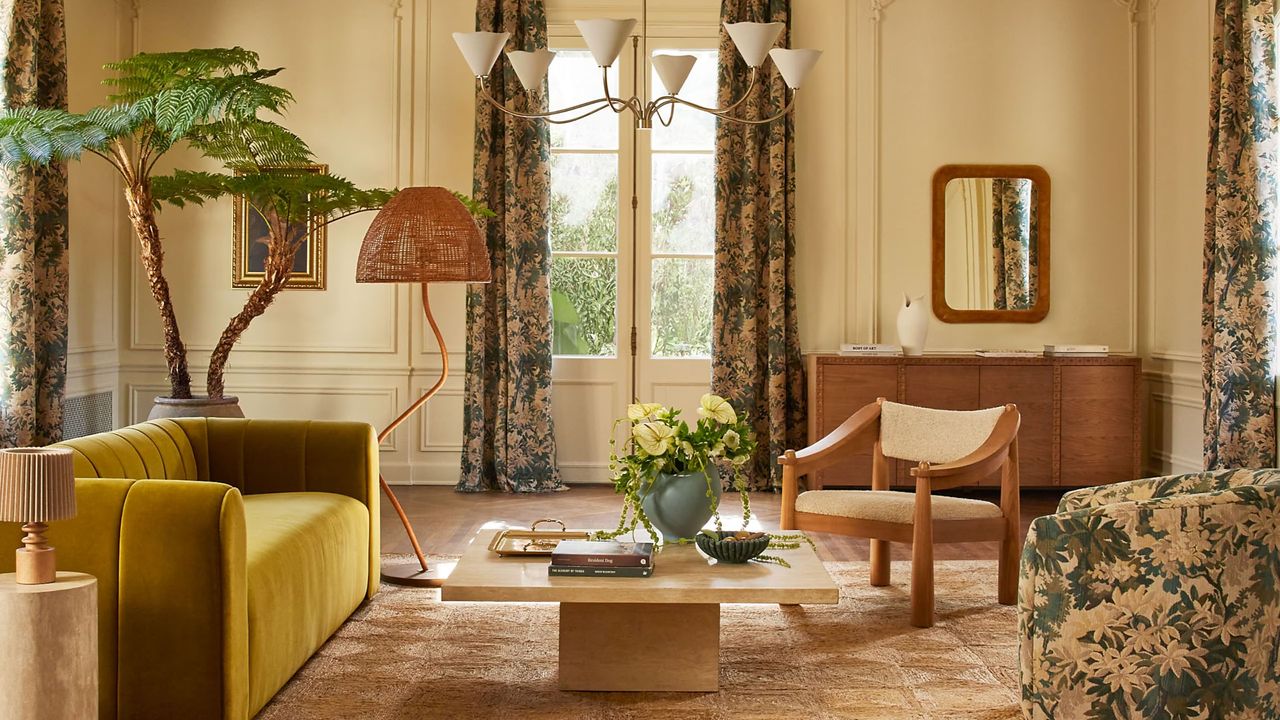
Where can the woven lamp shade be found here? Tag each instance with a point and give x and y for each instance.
(36, 485)
(424, 234)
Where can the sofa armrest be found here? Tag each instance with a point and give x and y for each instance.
(170, 561)
(1168, 485)
(1127, 606)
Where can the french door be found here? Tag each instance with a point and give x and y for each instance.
(632, 236)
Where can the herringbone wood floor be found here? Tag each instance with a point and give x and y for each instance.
(446, 520)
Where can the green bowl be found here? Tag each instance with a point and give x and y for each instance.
(731, 551)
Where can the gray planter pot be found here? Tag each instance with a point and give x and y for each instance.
(167, 407)
(678, 504)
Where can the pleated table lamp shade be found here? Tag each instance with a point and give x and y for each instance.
(424, 234)
(37, 485)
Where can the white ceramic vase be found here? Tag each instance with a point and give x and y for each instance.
(913, 325)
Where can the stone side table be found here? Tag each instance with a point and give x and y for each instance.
(49, 640)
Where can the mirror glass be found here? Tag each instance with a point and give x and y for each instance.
(991, 243)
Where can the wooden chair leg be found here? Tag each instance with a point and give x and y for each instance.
(922, 558)
(1010, 548)
(879, 562)
(1007, 592)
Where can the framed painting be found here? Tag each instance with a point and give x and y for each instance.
(249, 245)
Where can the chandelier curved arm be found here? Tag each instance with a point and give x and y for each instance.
(618, 104)
(746, 121)
(484, 93)
(672, 100)
(586, 114)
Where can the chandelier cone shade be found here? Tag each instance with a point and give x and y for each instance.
(424, 234)
(605, 37)
(673, 70)
(753, 39)
(480, 49)
(794, 64)
(36, 485)
(531, 67)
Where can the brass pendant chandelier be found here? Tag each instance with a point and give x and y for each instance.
(605, 39)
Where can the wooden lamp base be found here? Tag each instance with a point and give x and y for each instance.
(35, 562)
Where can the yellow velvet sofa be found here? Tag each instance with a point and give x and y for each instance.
(226, 551)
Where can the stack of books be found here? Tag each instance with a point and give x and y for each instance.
(1076, 350)
(872, 349)
(591, 558)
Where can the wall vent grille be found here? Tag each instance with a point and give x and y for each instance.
(87, 414)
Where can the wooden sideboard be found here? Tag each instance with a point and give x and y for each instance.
(1081, 417)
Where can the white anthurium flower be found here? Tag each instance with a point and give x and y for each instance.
(717, 450)
(717, 408)
(654, 438)
(732, 439)
(641, 411)
(687, 447)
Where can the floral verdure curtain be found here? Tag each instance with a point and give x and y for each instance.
(1014, 249)
(33, 235)
(755, 356)
(1238, 331)
(509, 442)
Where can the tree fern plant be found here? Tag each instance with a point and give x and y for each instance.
(209, 99)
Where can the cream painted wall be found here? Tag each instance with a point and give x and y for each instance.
(903, 87)
(1175, 104)
(95, 216)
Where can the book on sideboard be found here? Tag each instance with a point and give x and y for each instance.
(1077, 350)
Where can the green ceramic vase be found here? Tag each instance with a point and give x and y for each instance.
(678, 505)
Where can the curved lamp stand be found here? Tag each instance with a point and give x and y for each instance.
(417, 574)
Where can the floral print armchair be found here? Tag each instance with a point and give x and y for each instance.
(1155, 598)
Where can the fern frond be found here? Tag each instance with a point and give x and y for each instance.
(293, 194)
(39, 136)
(147, 74)
(248, 145)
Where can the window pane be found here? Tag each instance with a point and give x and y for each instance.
(584, 202)
(690, 129)
(682, 295)
(574, 77)
(584, 292)
(684, 218)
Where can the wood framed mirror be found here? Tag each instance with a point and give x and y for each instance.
(991, 243)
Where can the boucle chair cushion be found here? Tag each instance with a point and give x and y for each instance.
(920, 434)
(891, 506)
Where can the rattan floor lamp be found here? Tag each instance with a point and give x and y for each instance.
(423, 235)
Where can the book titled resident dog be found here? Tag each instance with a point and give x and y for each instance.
(593, 553)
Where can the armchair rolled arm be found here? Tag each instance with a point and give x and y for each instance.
(1165, 486)
(1119, 589)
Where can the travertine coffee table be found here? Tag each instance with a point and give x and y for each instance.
(655, 633)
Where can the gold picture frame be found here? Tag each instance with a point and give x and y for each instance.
(248, 254)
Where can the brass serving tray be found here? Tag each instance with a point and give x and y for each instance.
(533, 542)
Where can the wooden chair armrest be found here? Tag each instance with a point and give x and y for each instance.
(984, 461)
(827, 450)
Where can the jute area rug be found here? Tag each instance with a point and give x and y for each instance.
(407, 655)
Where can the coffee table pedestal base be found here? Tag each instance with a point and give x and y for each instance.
(640, 647)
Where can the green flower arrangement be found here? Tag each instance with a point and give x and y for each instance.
(659, 441)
